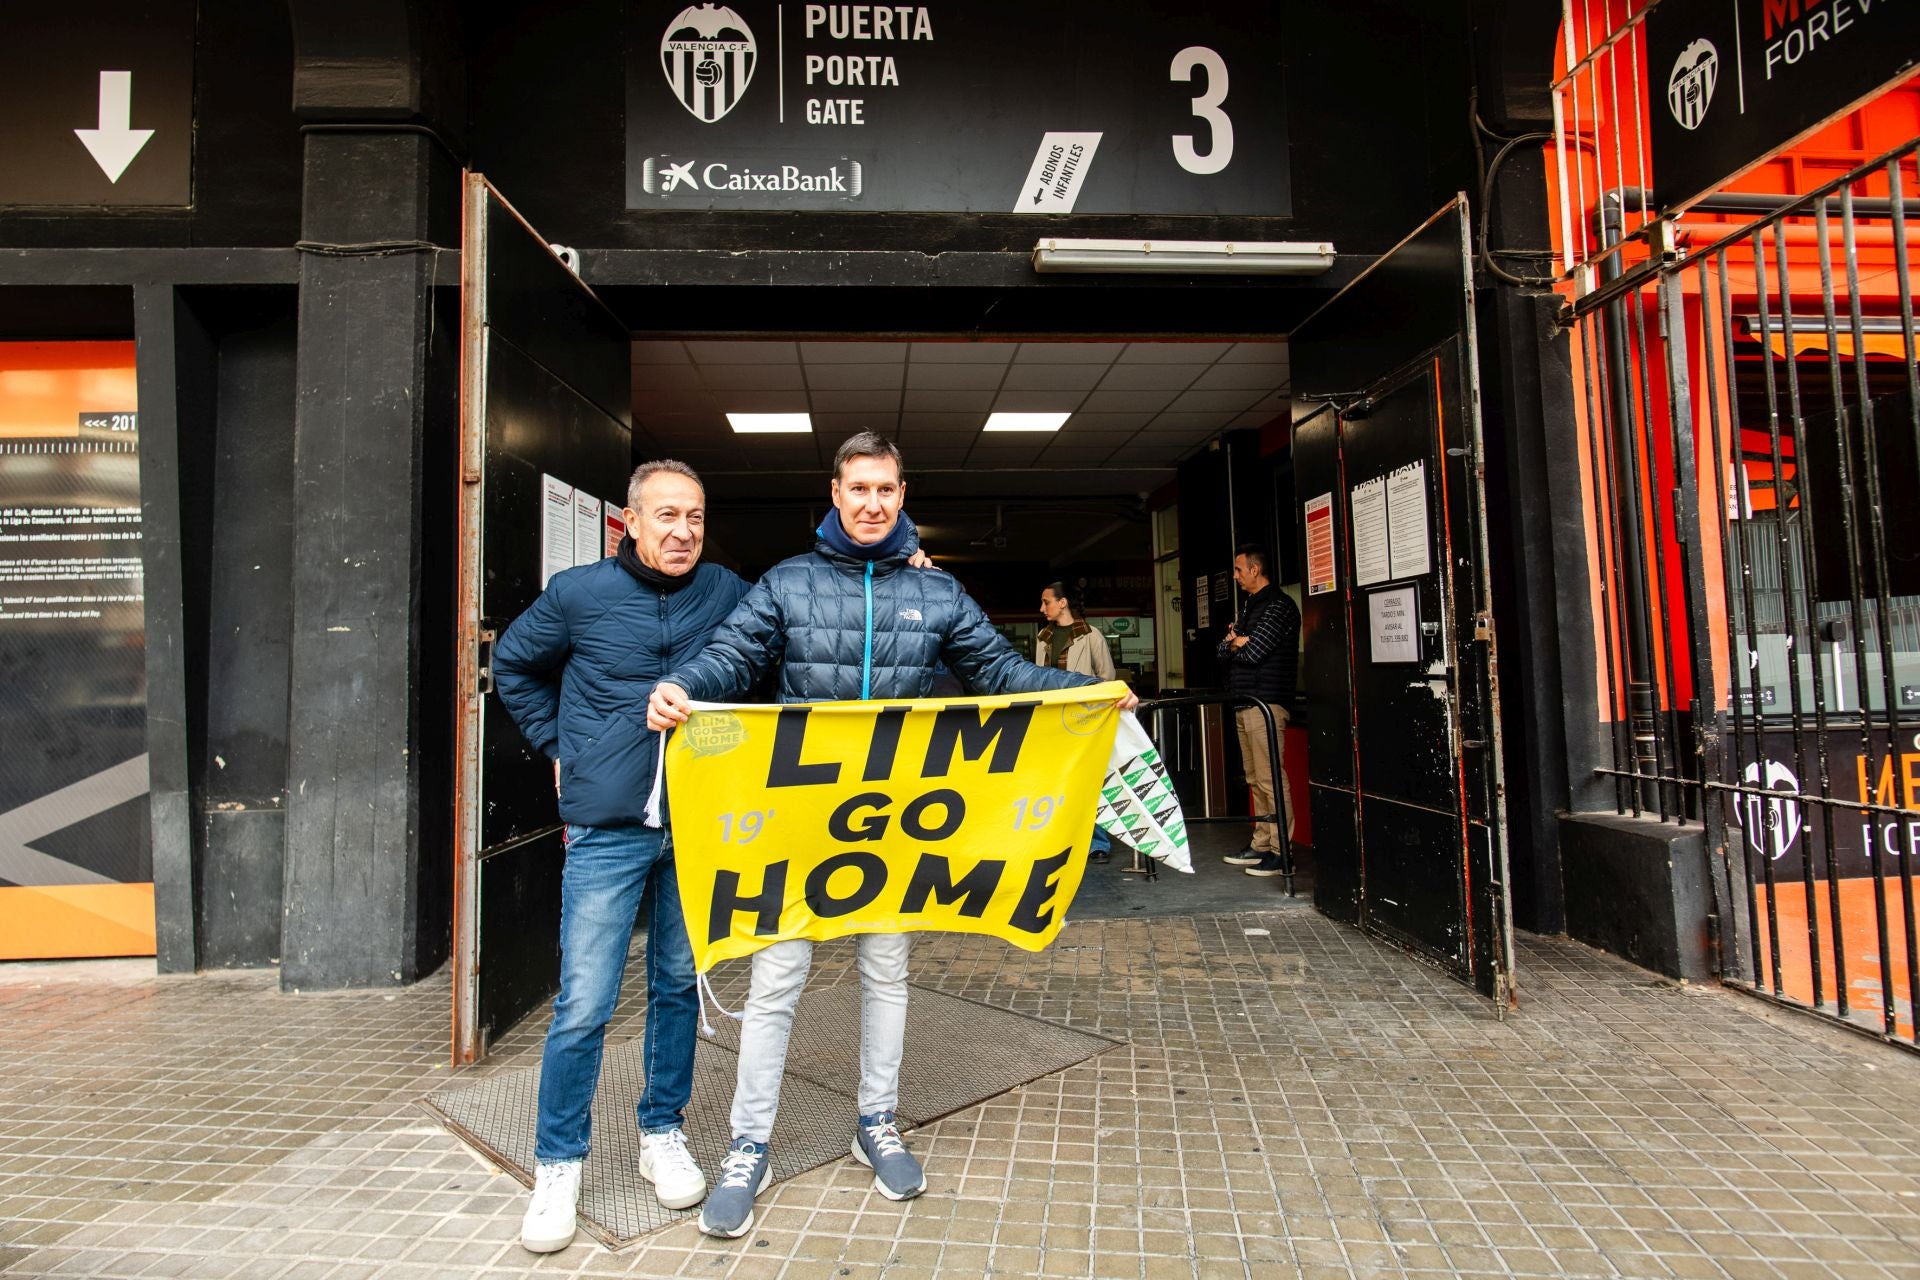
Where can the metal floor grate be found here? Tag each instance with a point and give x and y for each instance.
(959, 1053)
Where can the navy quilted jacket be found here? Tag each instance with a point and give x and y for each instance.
(836, 631)
(575, 671)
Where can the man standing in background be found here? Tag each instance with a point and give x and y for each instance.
(1070, 643)
(1261, 653)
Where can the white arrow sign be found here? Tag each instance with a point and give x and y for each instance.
(114, 144)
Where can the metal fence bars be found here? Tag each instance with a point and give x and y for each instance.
(1178, 744)
(1751, 452)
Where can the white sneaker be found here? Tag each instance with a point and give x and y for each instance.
(669, 1166)
(548, 1226)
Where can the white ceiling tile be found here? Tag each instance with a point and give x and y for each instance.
(1052, 377)
(1038, 401)
(653, 402)
(721, 351)
(1148, 402)
(1257, 418)
(1278, 401)
(918, 420)
(1187, 423)
(666, 377)
(1256, 353)
(1151, 377)
(948, 401)
(955, 377)
(651, 352)
(885, 401)
(964, 352)
(753, 377)
(1235, 377)
(1214, 401)
(854, 377)
(1126, 423)
(1068, 352)
(735, 401)
(1174, 352)
(853, 352)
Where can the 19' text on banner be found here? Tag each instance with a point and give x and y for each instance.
(830, 819)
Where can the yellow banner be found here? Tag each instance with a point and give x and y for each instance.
(834, 818)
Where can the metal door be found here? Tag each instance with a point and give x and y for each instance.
(545, 402)
(1399, 668)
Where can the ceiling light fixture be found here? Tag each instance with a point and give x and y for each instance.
(1025, 421)
(761, 424)
(1185, 257)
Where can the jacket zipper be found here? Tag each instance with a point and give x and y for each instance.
(866, 664)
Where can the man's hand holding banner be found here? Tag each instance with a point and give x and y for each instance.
(970, 815)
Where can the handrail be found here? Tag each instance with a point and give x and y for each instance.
(1278, 779)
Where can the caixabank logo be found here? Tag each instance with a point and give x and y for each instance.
(707, 55)
(702, 177)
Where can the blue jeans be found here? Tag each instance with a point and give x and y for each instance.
(600, 888)
(1102, 842)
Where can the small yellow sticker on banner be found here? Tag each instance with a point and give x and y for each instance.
(825, 819)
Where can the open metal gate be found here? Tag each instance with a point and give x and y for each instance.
(1399, 666)
(546, 423)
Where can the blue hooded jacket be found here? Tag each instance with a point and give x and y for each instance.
(839, 625)
(575, 671)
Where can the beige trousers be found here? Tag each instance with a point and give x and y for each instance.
(1253, 754)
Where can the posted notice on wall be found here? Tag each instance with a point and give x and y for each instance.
(1371, 562)
(589, 531)
(1393, 618)
(556, 528)
(1390, 526)
(1407, 544)
(1322, 575)
(1202, 603)
(616, 523)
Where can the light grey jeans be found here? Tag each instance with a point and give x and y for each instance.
(779, 974)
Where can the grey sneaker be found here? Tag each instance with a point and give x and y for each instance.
(744, 1171)
(1244, 858)
(877, 1145)
(1271, 865)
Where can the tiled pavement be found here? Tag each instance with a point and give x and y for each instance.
(1292, 1100)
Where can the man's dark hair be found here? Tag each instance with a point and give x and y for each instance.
(1060, 592)
(867, 444)
(1256, 556)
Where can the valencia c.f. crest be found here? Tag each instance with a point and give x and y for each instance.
(708, 55)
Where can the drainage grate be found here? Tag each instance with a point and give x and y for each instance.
(959, 1053)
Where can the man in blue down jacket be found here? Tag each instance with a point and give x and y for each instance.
(574, 671)
(842, 622)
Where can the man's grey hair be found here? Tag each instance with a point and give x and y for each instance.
(645, 469)
(867, 444)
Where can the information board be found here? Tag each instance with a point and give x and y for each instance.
(76, 864)
(1073, 106)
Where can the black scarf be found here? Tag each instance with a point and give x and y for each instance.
(629, 558)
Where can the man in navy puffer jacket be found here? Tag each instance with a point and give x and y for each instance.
(574, 671)
(842, 622)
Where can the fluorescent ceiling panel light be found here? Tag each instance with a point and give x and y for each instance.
(1025, 421)
(1185, 257)
(761, 424)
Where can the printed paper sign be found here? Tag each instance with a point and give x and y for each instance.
(1393, 617)
(1058, 171)
(1372, 561)
(1409, 550)
(589, 535)
(616, 528)
(556, 528)
(1322, 574)
(971, 815)
(1202, 603)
